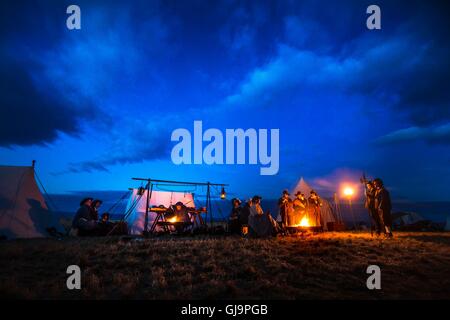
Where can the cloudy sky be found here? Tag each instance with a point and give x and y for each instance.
(97, 106)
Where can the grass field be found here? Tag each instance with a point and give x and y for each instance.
(321, 266)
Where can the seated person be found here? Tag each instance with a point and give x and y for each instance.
(179, 213)
(104, 224)
(261, 224)
(83, 220)
(107, 227)
(234, 225)
(95, 206)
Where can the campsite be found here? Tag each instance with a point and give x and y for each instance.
(154, 261)
(218, 150)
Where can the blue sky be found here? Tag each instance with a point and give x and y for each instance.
(97, 106)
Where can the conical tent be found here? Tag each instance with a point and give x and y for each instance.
(303, 187)
(136, 218)
(23, 211)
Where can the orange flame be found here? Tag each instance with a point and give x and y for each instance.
(172, 220)
(304, 222)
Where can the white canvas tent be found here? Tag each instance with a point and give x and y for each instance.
(136, 218)
(326, 211)
(406, 218)
(23, 211)
(303, 187)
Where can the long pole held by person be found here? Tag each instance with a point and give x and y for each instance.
(351, 212)
(349, 192)
(364, 181)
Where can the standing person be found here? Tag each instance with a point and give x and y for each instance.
(284, 205)
(384, 206)
(83, 220)
(369, 204)
(299, 207)
(234, 225)
(315, 203)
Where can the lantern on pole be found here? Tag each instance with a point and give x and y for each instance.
(349, 192)
(223, 194)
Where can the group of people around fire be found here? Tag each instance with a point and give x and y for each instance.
(250, 217)
(302, 211)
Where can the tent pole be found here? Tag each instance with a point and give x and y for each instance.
(146, 207)
(352, 213)
(208, 203)
(127, 214)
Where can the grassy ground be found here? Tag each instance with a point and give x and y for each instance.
(324, 266)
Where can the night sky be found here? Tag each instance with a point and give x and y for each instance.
(97, 106)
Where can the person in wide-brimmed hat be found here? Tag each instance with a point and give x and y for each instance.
(261, 224)
(369, 204)
(95, 206)
(299, 205)
(284, 208)
(83, 220)
(315, 204)
(86, 201)
(300, 201)
(256, 198)
(383, 205)
(180, 211)
(256, 206)
(236, 200)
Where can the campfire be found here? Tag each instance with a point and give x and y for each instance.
(304, 223)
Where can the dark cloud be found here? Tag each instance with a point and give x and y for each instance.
(34, 110)
(433, 135)
(28, 115)
(404, 68)
(138, 61)
(140, 141)
(88, 166)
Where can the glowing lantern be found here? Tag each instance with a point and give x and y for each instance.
(348, 192)
(223, 194)
(172, 220)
